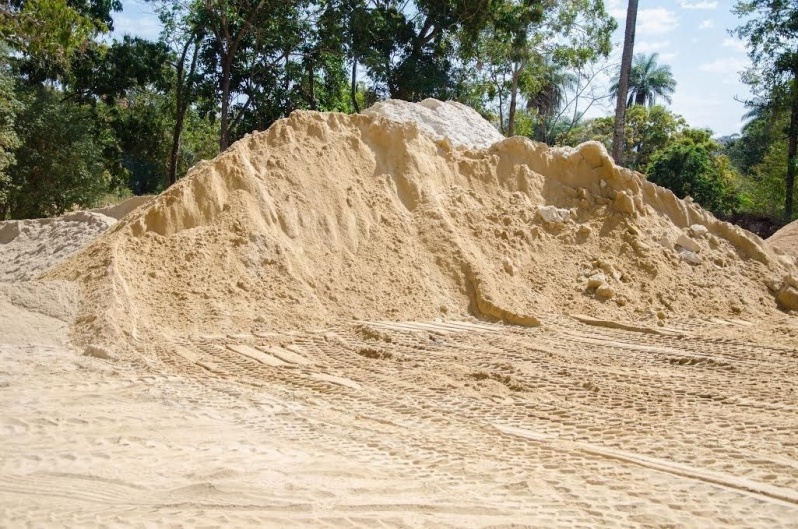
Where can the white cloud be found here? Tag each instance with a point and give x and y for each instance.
(138, 19)
(667, 57)
(648, 46)
(725, 65)
(144, 27)
(697, 5)
(706, 24)
(727, 69)
(735, 44)
(656, 21)
(616, 8)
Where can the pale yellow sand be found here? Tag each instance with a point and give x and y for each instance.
(786, 239)
(343, 322)
(328, 217)
(402, 424)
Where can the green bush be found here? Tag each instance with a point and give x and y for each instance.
(9, 108)
(689, 169)
(60, 162)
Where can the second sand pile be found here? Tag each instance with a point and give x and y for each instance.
(786, 240)
(328, 217)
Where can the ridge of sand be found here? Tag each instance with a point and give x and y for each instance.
(657, 407)
(329, 217)
(785, 240)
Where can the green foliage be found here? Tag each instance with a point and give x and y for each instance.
(647, 131)
(763, 185)
(60, 163)
(527, 53)
(199, 142)
(141, 126)
(648, 81)
(10, 106)
(766, 124)
(408, 49)
(690, 169)
(109, 72)
(771, 32)
(46, 35)
(45, 31)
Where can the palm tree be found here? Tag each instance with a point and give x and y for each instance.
(760, 110)
(623, 80)
(648, 81)
(553, 84)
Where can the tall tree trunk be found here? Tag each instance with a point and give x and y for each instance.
(312, 86)
(792, 148)
(502, 129)
(228, 47)
(171, 173)
(181, 105)
(623, 82)
(354, 85)
(224, 133)
(513, 102)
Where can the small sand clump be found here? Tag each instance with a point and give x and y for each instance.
(328, 217)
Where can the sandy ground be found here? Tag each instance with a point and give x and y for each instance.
(344, 322)
(376, 424)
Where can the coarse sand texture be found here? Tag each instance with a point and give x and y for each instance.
(28, 247)
(397, 319)
(328, 217)
(786, 240)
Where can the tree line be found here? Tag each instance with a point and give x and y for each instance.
(82, 116)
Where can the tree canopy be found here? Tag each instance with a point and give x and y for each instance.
(82, 115)
(648, 81)
(771, 35)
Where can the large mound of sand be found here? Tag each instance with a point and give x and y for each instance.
(205, 390)
(330, 217)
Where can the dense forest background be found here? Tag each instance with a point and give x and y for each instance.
(84, 119)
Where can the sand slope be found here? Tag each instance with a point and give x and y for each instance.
(786, 240)
(28, 247)
(344, 322)
(328, 217)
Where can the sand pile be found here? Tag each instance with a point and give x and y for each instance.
(786, 240)
(117, 211)
(37, 312)
(451, 121)
(28, 247)
(328, 217)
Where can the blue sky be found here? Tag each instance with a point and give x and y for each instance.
(690, 35)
